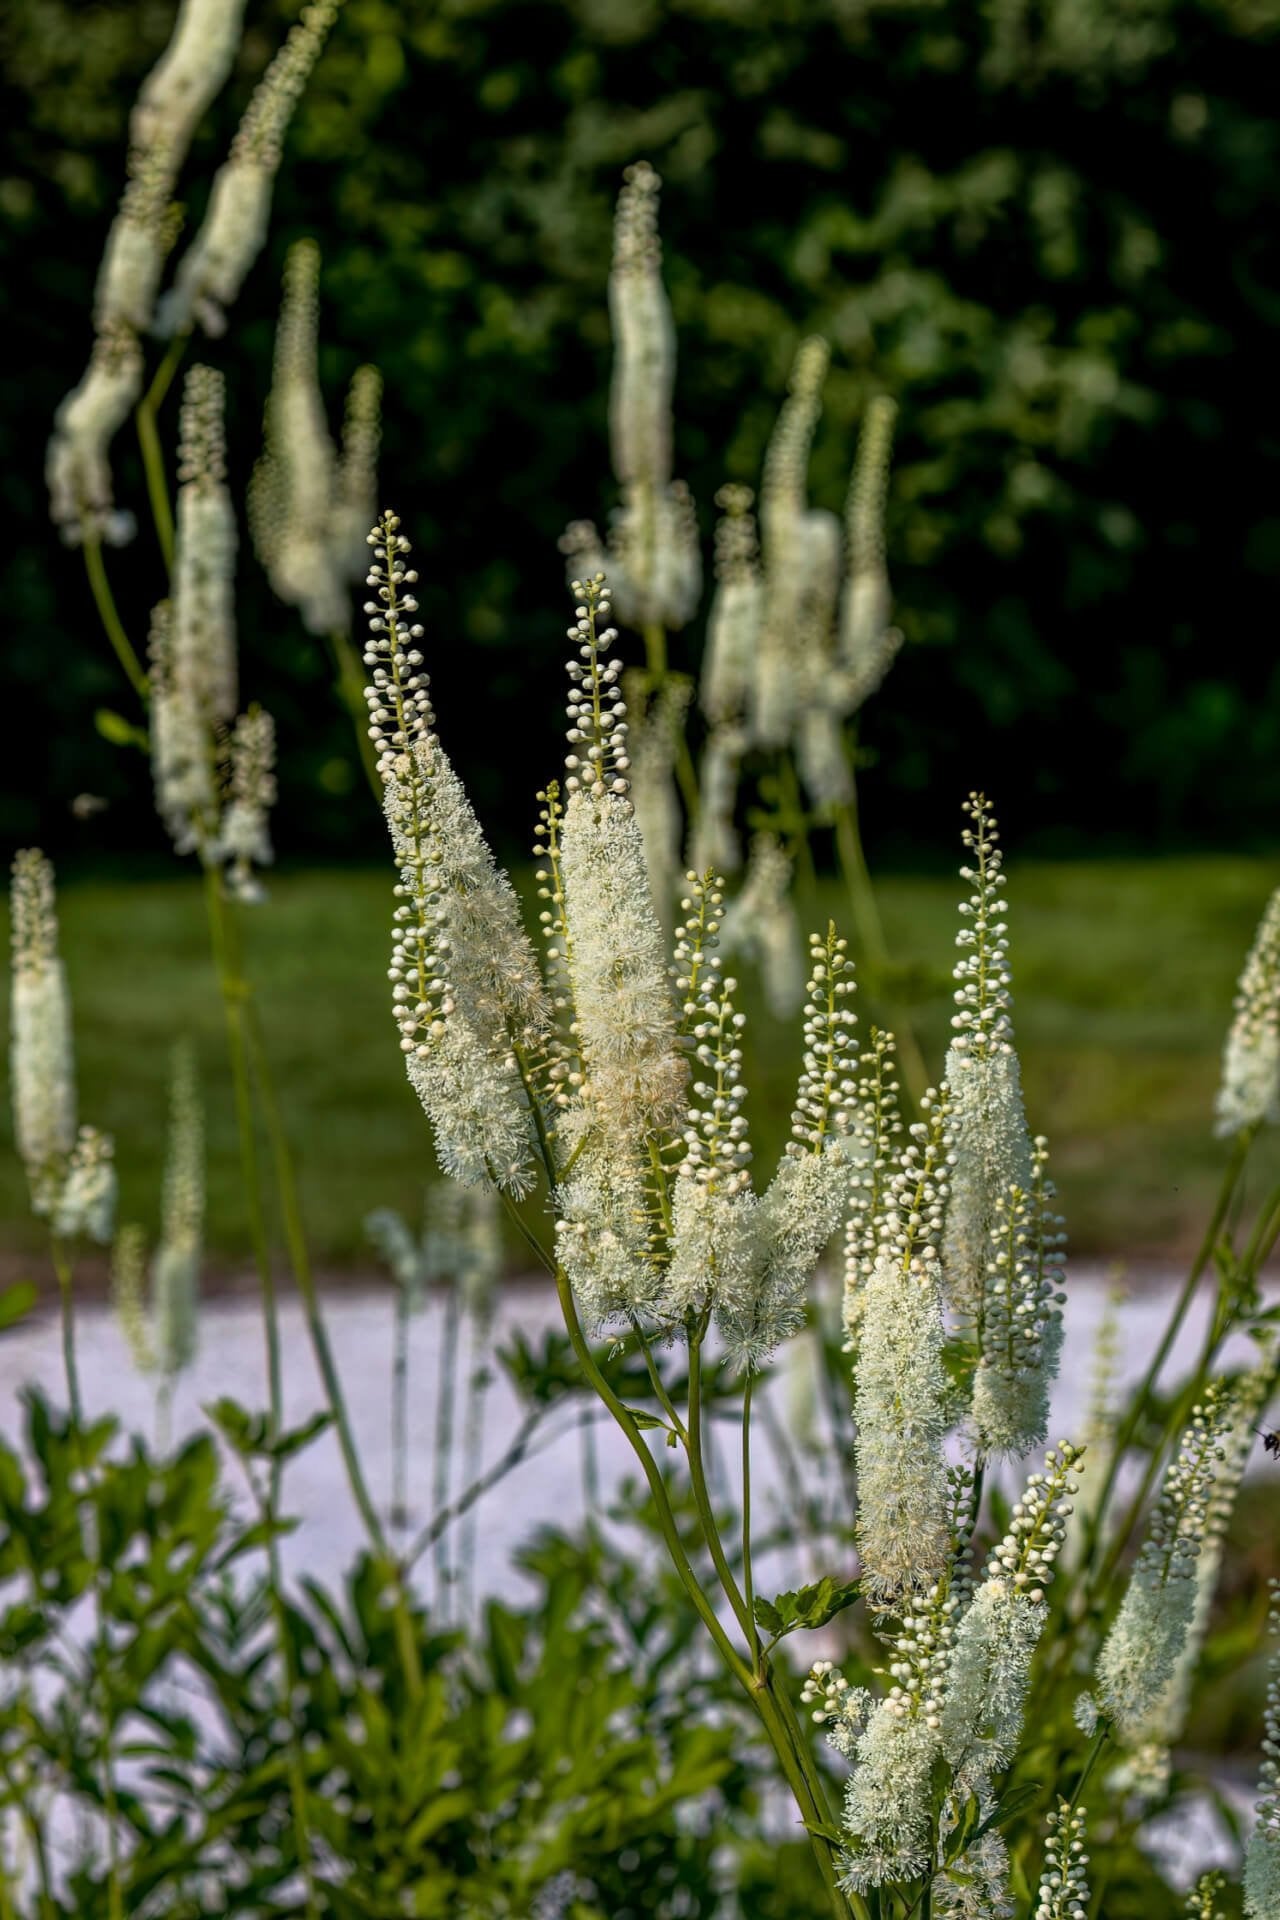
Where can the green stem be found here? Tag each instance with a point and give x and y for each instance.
(472, 1448)
(152, 454)
(234, 1000)
(113, 626)
(351, 685)
(793, 815)
(444, 1438)
(297, 1778)
(300, 1263)
(400, 1413)
(871, 940)
(702, 1500)
(62, 1267)
(748, 1579)
(1137, 1407)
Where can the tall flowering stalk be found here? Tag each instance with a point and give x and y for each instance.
(1262, 1848)
(1249, 1093)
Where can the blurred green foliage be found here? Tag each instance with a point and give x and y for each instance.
(1047, 226)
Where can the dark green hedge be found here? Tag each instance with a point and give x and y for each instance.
(1048, 226)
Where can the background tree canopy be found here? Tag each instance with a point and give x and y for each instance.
(1046, 226)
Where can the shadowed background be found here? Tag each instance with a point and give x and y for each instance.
(1046, 229)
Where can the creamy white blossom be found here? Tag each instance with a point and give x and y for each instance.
(203, 601)
(309, 509)
(77, 463)
(86, 1203)
(801, 558)
(244, 838)
(867, 644)
(733, 621)
(990, 1141)
(213, 269)
(1249, 1092)
(644, 338)
(182, 755)
(990, 1667)
(42, 1060)
(900, 1387)
(622, 997)
(1140, 1655)
(1262, 1848)
(464, 981)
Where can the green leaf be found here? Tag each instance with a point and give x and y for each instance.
(810, 1607)
(963, 1831)
(836, 1838)
(644, 1420)
(1008, 1805)
(16, 1301)
(768, 1617)
(120, 732)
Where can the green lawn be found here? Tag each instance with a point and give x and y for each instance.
(1123, 978)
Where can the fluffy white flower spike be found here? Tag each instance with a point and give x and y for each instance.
(801, 548)
(867, 644)
(309, 512)
(1140, 1655)
(1262, 1848)
(997, 1638)
(653, 749)
(654, 565)
(42, 1062)
(86, 1203)
(244, 837)
(203, 613)
(900, 1388)
(465, 987)
(1250, 1088)
(733, 622)
(77, 463)
(990, 1141)
(213, 269)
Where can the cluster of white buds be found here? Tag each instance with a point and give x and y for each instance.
(761, 922)
(1140, 1654)
(1262, 1848)
(989, 1130)
(716, 1149)
(42, 1062)
(1204, 1902)
(213, 269)
(826, 1686)
(1020, 1337)
(997, 1638)
(826, 1096)
(596, 709)
(308, 510)
(1250, 1088)
(877, 1124)
(1064, 1882)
